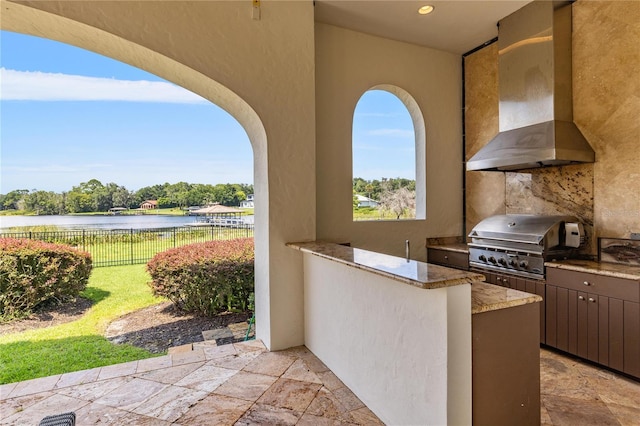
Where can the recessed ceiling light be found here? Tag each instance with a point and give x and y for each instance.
(426, 9)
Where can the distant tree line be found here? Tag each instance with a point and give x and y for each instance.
(375, 188)
(93, 196)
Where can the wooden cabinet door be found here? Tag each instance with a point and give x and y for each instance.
(631, 338)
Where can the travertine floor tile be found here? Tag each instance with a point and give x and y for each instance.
(49, 406)
(215, 410)
(325, 404)
(214, 352)
(250, 345)
(141, 420)
(6, 389)
(98, 414)
(291, 394)
(235, 362)
(131, 394)
(170, 403)
(260, 414)
(363, 416)
(34, 386)
(330, 380)
(11, 406)
(348, 399)
(300, 371)
(557, 378)
(247, 386)
(156, 363)
(171, 375)
(627, 416)
(195, 355)
(118, 370)
(578, 411)
(95, 390)
(78, 378)
(311, 420)
(270, 363)
(206, 378)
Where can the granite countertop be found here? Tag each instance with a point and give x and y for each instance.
(488, 297)
(413, 272)
(457, 247)
(618, 270)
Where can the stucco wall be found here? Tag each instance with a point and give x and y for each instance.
(403, 350)
(606, 103)
(261, 71)
(348, 64)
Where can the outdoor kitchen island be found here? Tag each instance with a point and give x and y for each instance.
(397, 332)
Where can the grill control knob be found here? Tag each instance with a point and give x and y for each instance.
(502, 261)
(482, 258)
(513, 263)
(523, 264)
(492, 260)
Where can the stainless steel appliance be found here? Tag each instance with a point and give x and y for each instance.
(536, 109)
(520, 244)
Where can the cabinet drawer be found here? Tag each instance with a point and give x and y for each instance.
(601, 285)
(449, 258)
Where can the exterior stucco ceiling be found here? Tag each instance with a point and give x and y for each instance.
(455, 26)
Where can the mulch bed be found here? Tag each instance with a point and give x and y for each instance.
(155, 328)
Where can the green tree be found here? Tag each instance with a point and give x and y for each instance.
(43, 202)
(12, 199)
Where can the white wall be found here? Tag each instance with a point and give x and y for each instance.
(262, 72)
(348, 64)
(404, 351)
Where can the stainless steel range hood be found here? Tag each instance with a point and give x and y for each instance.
(535, 110)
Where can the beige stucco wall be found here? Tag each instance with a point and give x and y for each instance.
(348, 64)
(261, 71)
(606, 107)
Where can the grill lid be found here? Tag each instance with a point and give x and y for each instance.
(544, 231)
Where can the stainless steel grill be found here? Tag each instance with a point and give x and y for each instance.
(520, 244)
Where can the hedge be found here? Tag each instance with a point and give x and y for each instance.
(34, 272)
(206, 278)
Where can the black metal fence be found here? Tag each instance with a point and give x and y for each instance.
(112, 247)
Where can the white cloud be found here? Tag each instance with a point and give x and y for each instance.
(41, 86)
(401, 133)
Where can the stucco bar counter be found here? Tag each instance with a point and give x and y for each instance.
(395, 331)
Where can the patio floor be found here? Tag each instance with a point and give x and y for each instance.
(244, 384)
(240, 383)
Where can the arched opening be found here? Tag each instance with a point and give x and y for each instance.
(28, 20)
(388, 146)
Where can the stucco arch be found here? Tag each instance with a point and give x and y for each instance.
(25, 19)
(420, 132)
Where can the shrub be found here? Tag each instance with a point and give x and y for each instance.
(205, 278)
(35, 272)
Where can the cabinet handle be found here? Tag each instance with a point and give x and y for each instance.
(446, 257)
(505, 280)
(586, 283)
(591, 299)
(580, 297)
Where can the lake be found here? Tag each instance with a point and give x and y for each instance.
(98, 222)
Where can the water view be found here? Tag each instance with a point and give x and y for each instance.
(98, 222)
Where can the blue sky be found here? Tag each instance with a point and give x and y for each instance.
(68, 115)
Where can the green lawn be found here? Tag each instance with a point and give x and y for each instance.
(80, 344)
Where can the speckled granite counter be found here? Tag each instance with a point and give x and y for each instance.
(456, 247)
(419, 274)
(488, 297)
(602, 268)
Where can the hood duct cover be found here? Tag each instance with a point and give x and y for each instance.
(536, 105)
